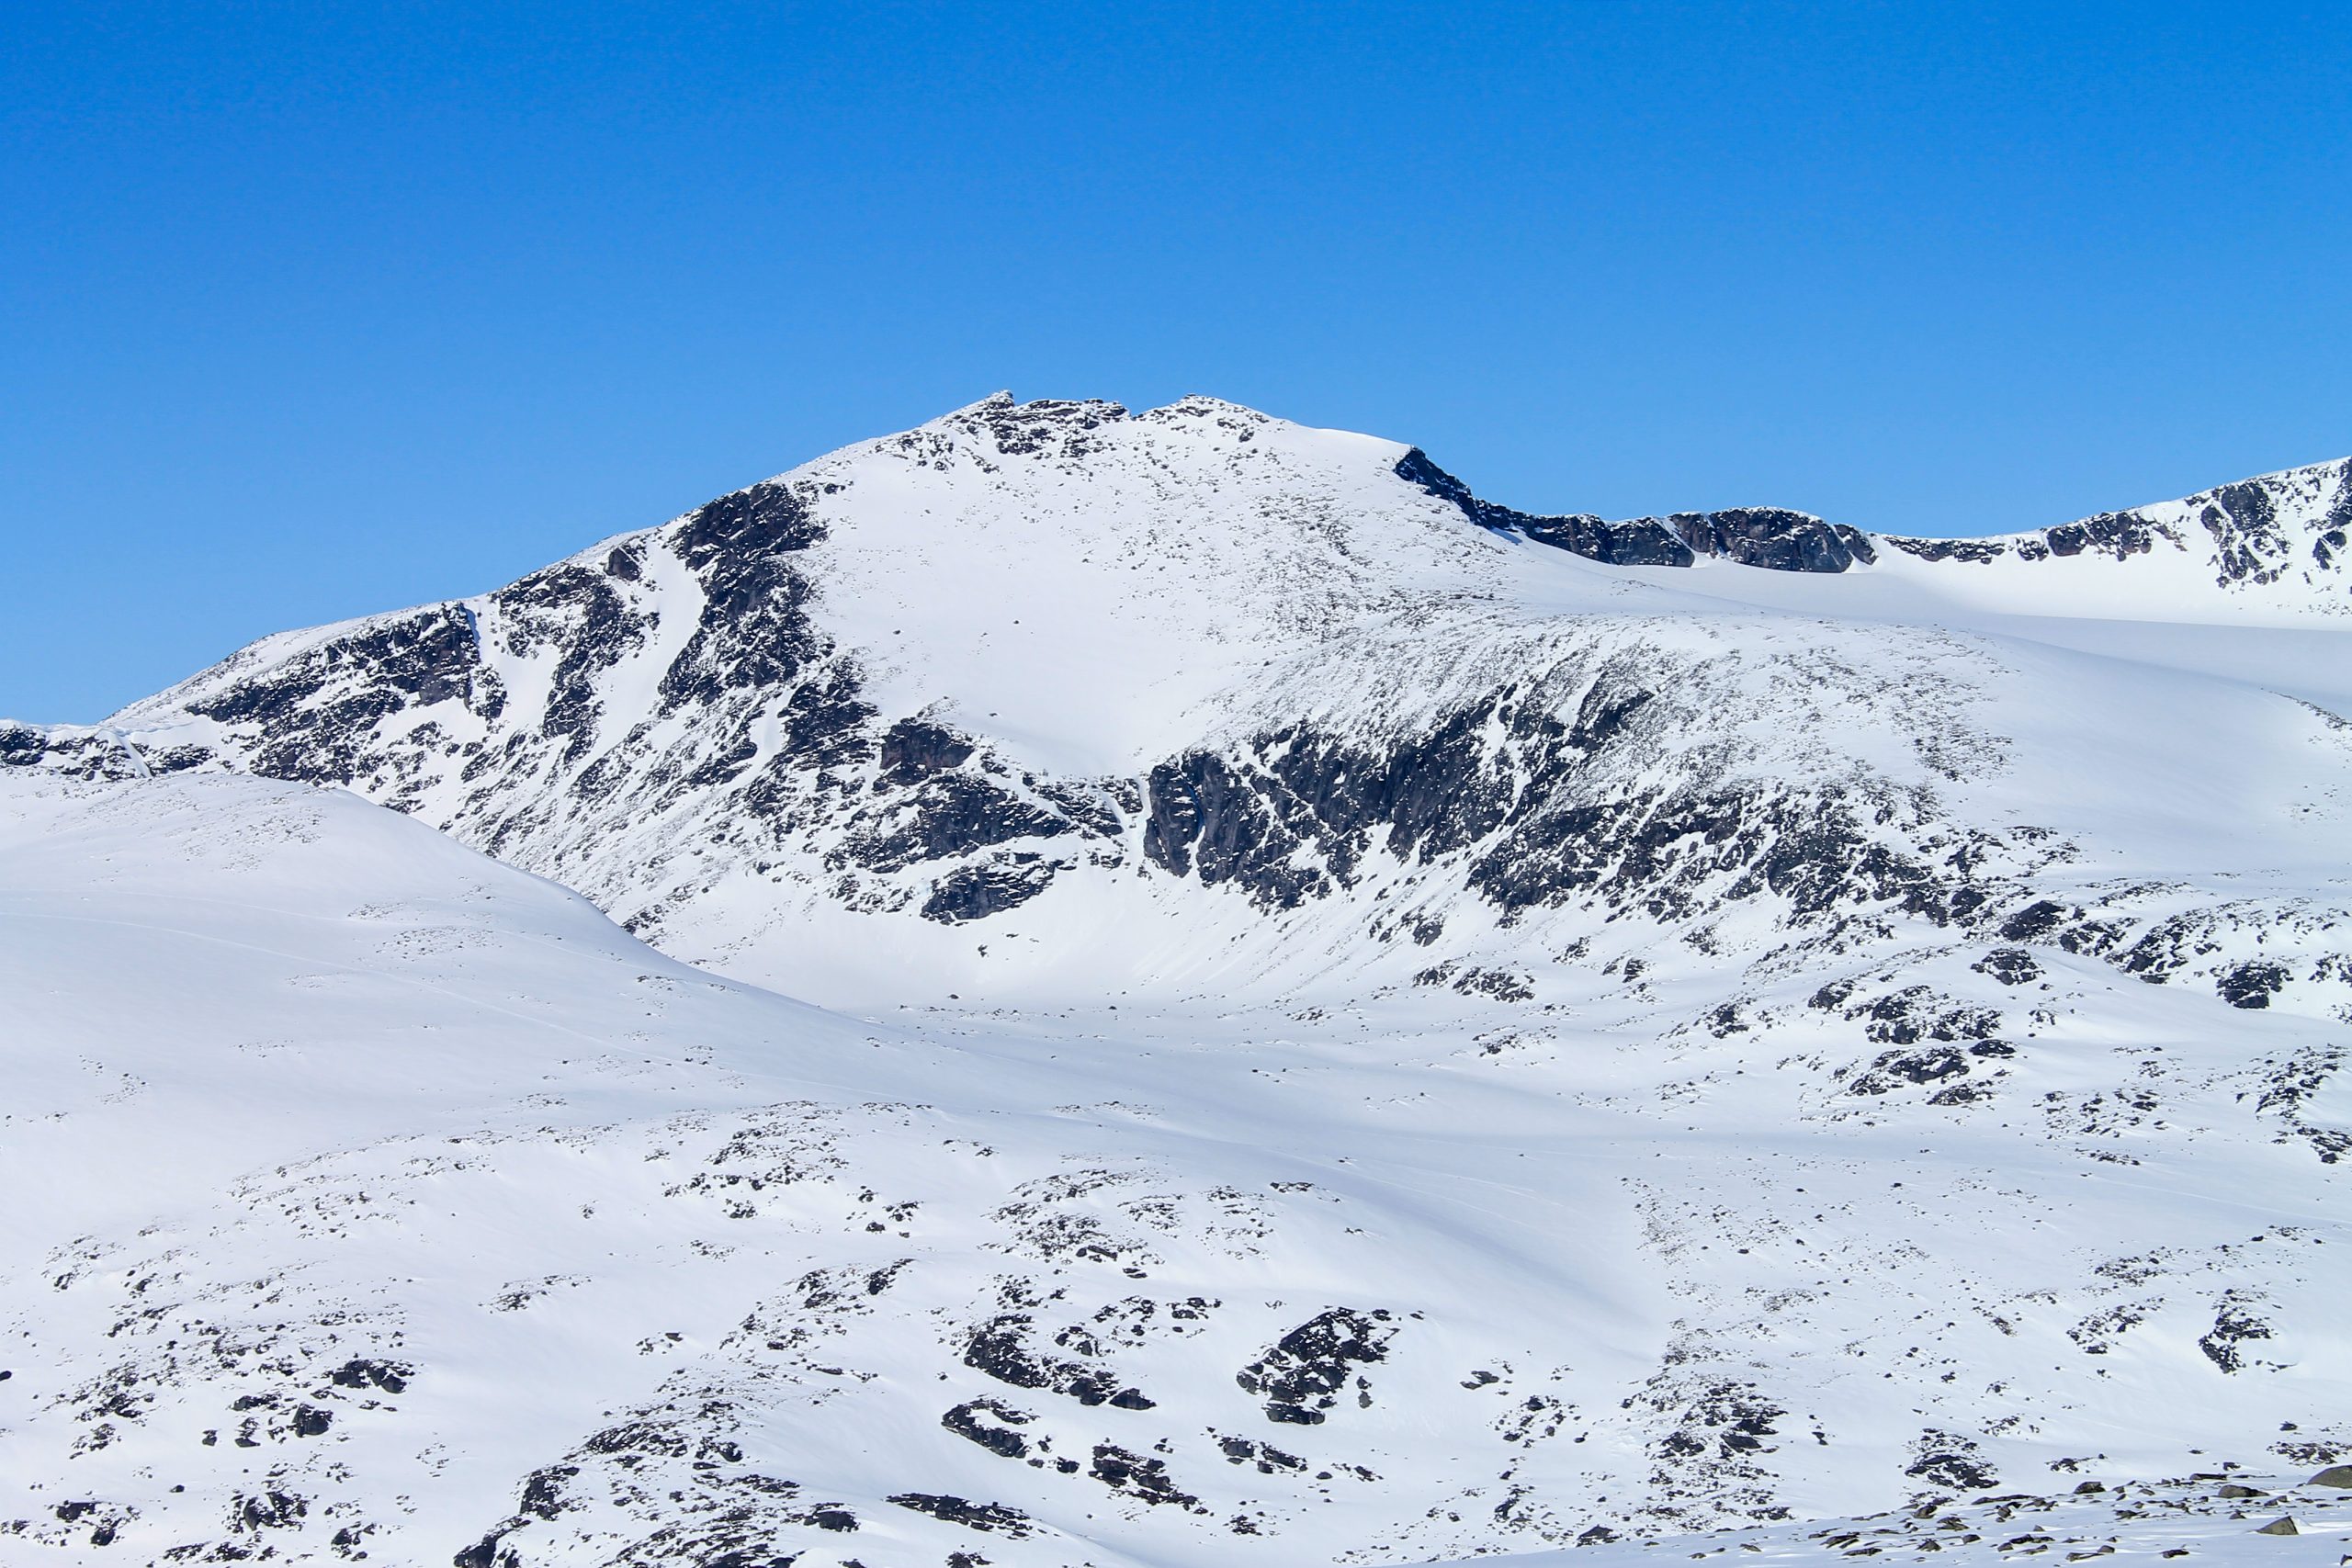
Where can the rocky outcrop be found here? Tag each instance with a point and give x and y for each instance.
(2279, 529)
(1763, 537)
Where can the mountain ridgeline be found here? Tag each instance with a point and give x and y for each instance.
(1435, 717)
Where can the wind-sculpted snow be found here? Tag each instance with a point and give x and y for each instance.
(1366, 1027)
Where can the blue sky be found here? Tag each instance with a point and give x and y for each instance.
(310, 310)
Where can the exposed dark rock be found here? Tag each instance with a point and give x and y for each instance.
(635, 1438)
(1305, 1373)
(1913, 1013)
(392, 1376)
(2252, 984)
(1000, 1348)
(1646, 543)
(2232, 1326)
(1976, 551)
(1268, 1459)
(2116, 534)
(914, 749)
(2034, 921)
(2010, 965)
(1948, 1460)
(976, 892)
(951, 814)
(1914, 1019)
(755, 631)
(2251, 544)
(971, 1516)
(580, 611)
(490, 1552)
(21, 746)
(1146, 1479)
(966, 1421)
(543, 1491)
(270, 1509)
(1772, 539)
(1911, 1066)
(1762, 537)
(766, 518)
(1045, 427)
(315, 716)
(1726, 1421)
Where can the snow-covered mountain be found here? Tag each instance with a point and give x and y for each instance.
(1052, 659)
(1353, 1024)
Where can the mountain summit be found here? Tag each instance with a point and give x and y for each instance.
(1059, 659)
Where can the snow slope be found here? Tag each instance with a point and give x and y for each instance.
(402, 1203)
(1357, 1026)
(2229, 1515)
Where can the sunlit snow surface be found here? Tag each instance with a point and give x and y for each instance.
(367, 1195)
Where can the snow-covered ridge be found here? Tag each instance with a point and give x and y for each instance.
(2287, 527)
(1028, 654)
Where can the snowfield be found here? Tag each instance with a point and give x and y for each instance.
(1336, 1022)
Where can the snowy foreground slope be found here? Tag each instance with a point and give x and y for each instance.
(371, 1197)
(1353, 1024)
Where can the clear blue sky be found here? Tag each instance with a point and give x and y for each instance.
(309, 311)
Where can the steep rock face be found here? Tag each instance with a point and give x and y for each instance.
(1773, 538)
(1591, 780)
